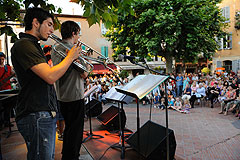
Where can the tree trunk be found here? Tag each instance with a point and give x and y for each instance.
(169, 63)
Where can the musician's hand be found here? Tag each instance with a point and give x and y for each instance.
(74, 53)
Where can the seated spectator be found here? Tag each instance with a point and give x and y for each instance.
(213, 93)
(156, 100)
(177, 104)
(222, 94)
(194, 86)
(231, 95)
(170, 101)
(187, 92)
(186, 106)
(163, 103)
(201, 92)
(236, 106)
(226, 84)
(146, 99)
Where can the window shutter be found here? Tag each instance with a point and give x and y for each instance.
(103, 29)
(227, 13)
(234, 65)
(106, 51)
(238, 65)
(218, 43)
(221, 43)
(102, 50)
(219, 64)
(230, 40)
(223, 11)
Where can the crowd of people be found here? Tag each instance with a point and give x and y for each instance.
(188, 89)
(183, 92)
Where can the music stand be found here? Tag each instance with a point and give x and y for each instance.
(138, 88)
(113, 95)
(90, 134)
(10, 98)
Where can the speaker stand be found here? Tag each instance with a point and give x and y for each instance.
(90, 135)
(121, 144)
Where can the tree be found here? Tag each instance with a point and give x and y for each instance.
(104, 10)
(95, 11)
(180, 29)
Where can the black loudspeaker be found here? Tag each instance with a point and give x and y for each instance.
(110, 118)
(153, 142)
(95, 108)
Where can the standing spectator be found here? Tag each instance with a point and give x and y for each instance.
(179, 84)
(185, 81)
(195, 77)
(6, 72)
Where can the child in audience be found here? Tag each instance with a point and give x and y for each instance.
(178, 104)
(186, 106)
(162, 103)
(170, 102)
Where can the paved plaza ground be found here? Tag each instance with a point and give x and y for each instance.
(201, 134)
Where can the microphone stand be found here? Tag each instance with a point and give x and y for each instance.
(147, 67)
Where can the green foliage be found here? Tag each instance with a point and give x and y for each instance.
(105, 10)
(124, 74)
(10, 11)
(170, 28)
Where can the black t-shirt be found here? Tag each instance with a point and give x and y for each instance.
(35, 94)
(214, 89)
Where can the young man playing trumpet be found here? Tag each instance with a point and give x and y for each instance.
(70, 93)
(37, 104)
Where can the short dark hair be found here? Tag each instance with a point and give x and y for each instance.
(68, 27)
(38, 13)
(2, 55)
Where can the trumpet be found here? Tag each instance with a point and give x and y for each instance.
(100, 59)
(84, 58)
(62, 54)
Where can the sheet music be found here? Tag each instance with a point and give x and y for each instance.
(141, 85)
(112, 94)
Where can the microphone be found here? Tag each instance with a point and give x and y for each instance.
(130, 58)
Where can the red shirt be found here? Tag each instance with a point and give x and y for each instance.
(5, 85)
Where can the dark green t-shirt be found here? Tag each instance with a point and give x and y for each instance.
(35, 94)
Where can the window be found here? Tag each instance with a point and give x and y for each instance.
(103, 29)
(225, 42)
(227, 65)
(104, 51)
(226, 13)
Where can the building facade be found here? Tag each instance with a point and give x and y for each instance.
(94, 37)
(228, 53)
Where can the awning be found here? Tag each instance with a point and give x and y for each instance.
(100, 69)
